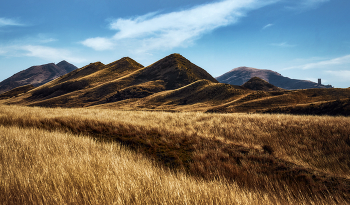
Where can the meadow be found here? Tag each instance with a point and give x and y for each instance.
(104, 156)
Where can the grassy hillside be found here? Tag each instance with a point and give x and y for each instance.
(213, 158)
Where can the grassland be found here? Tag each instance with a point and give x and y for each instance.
(101, 156)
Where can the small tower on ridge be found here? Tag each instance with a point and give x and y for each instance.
(319, 81)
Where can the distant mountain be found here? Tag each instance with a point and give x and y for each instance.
(240, 75)
(36, 75)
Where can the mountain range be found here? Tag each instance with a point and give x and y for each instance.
(173, 84)
(240, 75)
(36, 75)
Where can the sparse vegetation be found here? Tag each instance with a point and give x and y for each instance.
(49, 156)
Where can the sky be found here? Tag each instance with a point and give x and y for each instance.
(300, 39)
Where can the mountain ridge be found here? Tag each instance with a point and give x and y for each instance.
(123, 79)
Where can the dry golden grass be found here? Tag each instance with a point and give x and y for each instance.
(230, 158)
(42, 167)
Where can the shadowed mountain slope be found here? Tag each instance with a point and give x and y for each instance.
(240, 75)
(36, 75)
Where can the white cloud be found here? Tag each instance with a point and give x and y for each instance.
(99, 43)
(342, 75)
(267, 26)
(37, 39)
(52, 54)
(156, 31)
(338, 63)
(283, 44)
(9, 22)
(44, 52)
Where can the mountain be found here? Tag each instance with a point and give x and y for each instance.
(240, 75)
(121, 80)
(36, 75)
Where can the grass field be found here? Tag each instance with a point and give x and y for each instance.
(101, 156)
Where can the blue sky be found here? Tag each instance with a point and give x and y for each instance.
(302, 39)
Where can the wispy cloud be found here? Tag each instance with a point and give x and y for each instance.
(40, 38)
(305, 4)
(155, 31)
(267, 26)
(43, 52)
(9, 22)
(47, 40)
(312, 3)
(342, 75)
(51, 53)
(283, 44)
(340, 62)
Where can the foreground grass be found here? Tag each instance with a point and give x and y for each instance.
(272, 158)
(42, 167)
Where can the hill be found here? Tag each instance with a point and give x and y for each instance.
(240, 75)
(257, 83)
(36, 75)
